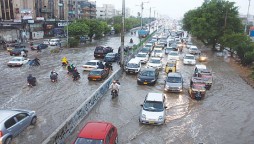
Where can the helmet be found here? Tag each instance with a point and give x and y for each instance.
(114, 81)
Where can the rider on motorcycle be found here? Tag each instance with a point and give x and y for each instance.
(131, 40)
(36, 61)
(114, 86)
(75, 74)
(31, 80)
(108, 65)
(64, 61)
(53, 75)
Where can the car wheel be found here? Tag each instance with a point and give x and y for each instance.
(33, 121)
(116, 140)
(8, 140)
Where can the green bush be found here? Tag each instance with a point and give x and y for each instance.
(73, 42)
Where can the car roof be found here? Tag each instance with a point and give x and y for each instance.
(95, 130)
(154, 97)
(134, 60)
(156, 58)
(174, 74)
(5, 114)
(94, 60)
(200, 66)
(189, 55)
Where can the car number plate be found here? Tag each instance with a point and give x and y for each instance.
(94, 79)
(145, 82)
(151, 122)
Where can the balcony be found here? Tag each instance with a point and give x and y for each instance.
(89, 9)
(45, 10)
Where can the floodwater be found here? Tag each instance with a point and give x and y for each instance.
(225, 116)
(53, 102)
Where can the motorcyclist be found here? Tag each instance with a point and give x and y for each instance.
(108, 65)
(76, 75)
(31, 80)
(23, 53)
(64, 61)
(53, 75)
(69, 69)
(36, 61)
(114, 86)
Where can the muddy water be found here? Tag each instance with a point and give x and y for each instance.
(53, 102)
(223, 117)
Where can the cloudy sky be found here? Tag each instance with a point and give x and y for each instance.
(172, 8)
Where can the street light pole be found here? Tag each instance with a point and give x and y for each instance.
(245, 27)
(122, 35)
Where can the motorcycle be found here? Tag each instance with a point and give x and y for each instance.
(53, 78)
(114, 93)
(32, 82)
(76, 78)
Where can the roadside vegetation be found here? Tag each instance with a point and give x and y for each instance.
(217, 22)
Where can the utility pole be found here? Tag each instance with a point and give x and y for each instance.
(245, 27)
(141, 16)
(122, 35)
(150, 18)
(76, 9)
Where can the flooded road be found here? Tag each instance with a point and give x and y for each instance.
(53, 102)
(225, 116)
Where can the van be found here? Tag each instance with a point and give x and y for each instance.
(174, 82)
(133, 66)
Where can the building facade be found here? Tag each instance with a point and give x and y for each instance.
(106, 11)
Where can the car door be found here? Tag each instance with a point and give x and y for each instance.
(23, 120)
(12, 126)
(112, 135)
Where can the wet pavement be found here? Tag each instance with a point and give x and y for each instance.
(223, 117)
(53, 102)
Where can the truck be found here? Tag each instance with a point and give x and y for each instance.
(143, 33)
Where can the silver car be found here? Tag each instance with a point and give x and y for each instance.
(13, 122)
(174, 82)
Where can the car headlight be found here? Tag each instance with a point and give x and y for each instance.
(152, 80)
(160, 118)
(143, 116)
(139, 79)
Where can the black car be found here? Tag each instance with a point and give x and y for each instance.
(17, 51)
(111, 57)
(101, 51)
(40, 46)
(148, 76)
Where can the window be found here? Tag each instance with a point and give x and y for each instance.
(9, 123)
(21, 116)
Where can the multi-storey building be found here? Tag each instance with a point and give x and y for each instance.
(106, 11)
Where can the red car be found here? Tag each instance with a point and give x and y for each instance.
(97, 133)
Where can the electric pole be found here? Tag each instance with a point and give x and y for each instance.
(122, 35)
(245, 27)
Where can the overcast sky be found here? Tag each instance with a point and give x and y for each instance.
(172, 8)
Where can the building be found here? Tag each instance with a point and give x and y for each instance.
(106, 11)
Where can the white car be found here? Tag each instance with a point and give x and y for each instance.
(46, 41)
(143, 57)
(90, 65)
(194, 50)
(189, 59)
(153, 109)
(54, 42)
(173, 55)
(154, 63)
(17, 61)
(157, 53)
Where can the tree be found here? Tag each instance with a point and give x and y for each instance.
(78, 29)
(212, 20)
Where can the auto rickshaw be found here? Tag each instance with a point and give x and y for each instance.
(207, 77)
(197, 88)
(170, 66)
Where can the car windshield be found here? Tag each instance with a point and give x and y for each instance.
(110, 55)
(132, 65)
(194, 48)
(170, 64)
(159, 46)
(144, 50)
(173, 54)
(198, 86)
(174, 79)
(141, 55)
(16, 59)
(158, 51)
(153, 106)
(91, 63)
(157, 61)
(88, 141)
(97, 73)
(189, 57)
(148, 73)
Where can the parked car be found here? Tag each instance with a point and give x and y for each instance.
(98, 74)
(101, 51)
(17, 61)
(173, 55)
(194, 50)
(40, 46)
(174, 82)
(46, 41)
(154, 63)
(13, 122)
(111, 57)
(90, 65)
(189, 59)
(153, 109)
(97, 133)
(143, 57)
(17, 51)
(54, 42)
(148, 76)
